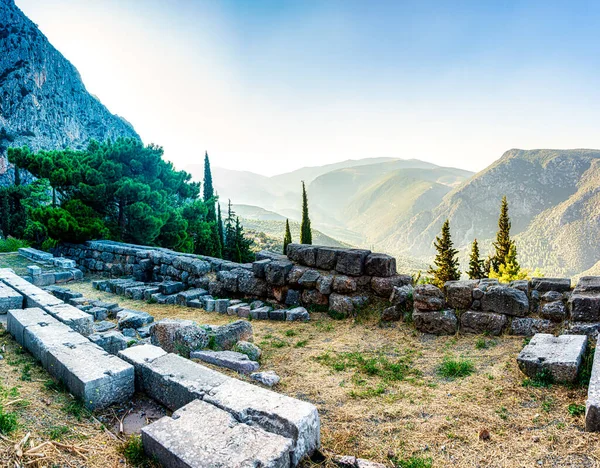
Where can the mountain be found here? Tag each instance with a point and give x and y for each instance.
(44, 103)
(256, 213)
(554, 207)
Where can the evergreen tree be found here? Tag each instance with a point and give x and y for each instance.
(209, 193)
(476, 265)
(445, 260)
(503, 240)
(4, 212)
(220, 228)
(305, 230)
(17, 176)
(287, 238)
(510, 270)
(229, 249)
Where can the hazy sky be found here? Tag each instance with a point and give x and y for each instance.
(271, 86)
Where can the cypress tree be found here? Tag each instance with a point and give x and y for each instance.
(305, 230)
(17, 176)
(287, 238)
(445, 260)
(208, 191)
(476, 265)
(503, 240)
(4, 212)
(229, 250)
(220, 228)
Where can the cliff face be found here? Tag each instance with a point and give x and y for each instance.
(43, 101)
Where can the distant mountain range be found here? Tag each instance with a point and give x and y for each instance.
(44, 103)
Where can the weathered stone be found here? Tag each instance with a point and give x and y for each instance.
(262, 313)
(325, 284)
(391, 314)
(104, 326)
(184, 297)
(402, 297)
(521, 285)
(550, 284)
(294, 275)
(276, 272)
(485, 283)
(482, 322)
(341, 304)
(278, 314)
(348, 461)
(149, 292)
(233, 309)
(73, 317)
(129, 318)
(221, 305)
(344, 284)
(442, 322)
(559, 355)
(229, 279)
(111, 341)
(314, 297)
(297, 314)
(585, 306)
(327, 258)
(186, 440)
(477, 293)
(171, 287)
(279, 293)
(592, 404)
(427, 297)
(307, 255)
(244, 311)
(249, 349)
(10, 299)
(99, 313)
(256, 304)
(505, 300)
(590, 329)
(267, 378)
(292, 297)
(552, 296)
(226, 336)
(129, 333)
(258, 268)
(555, 311)
(178, 336)
(34, 270)
(251, 285)
(384, 287)
(209, 305)
(160, 298)
(459, 294)
(230, 359)
(309, 279)
(351, 261)
(377, 264)
(530, 326)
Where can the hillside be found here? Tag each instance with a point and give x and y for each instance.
(44, 104)
(553, 208)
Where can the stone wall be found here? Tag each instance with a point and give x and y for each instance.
(334, 278)
(541, 305)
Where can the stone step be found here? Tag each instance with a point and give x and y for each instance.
(9, 299)
(175, 381)
(91, 374)
(201, 435)
(229, 359)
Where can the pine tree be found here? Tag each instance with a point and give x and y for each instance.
(287, 238)
(503, 240)
(510, 270)
(229, 249)
(445, 260)
(476, 265)
(220, 228)
(305, 230)
(209, 193)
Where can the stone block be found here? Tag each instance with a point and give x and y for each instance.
(186, 440)
(226, 336)
(459, 294)
(250, 285)
(327, 258)
(277, 315)
(351, 261)
(276, 272)
(529, 326)
(505, 300)
(19, 319)
(229, 279)
(233, 309)
(209, 305)
(267, 378)
(110, 341)
(262, 313)
(592, 404)
(160, 298)
(229, 359)
(104, 326)
(325, 284)
(292, 297)
(428, 298)
(129, 318)
(384, 287)
(171, 287)
(585, 306)
(590, 329)
(10, 299)
(382, 265)
(550, 284)
(221, 305)
(482, 322)
(343, 284)
(555, 311)
(34, 270)
(299, 314)
(178, 336)
(313, 297)
(258, 267)
(341, 304)
(309, 279)
(588, 284)
(559, 355)
(99, 313)
(78, 320)
(442, 322)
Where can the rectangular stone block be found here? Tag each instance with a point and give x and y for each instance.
(40, 337)
(277, 315)
(233, 309)
(377, 264)
(589, 284)
(34, 270)
(9, 299)
(186, 440)
(78, 320)
(327, 258)
(261, 313)
(45, 279)
(559, 355)
(175, 381)
(19, 319)
(351, 261)
(185, 296)
(592, 404)
(550, 284)
(585, 306)
(221, 305)
(112, 341)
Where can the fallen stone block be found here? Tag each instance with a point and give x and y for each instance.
(592, 404)
(186, 440)
(559, 355)
(277, 314)
(299, 314)
(34, 270)
(249, 349)
(186, 296)
(10, 299)
(110, 341)
(61, 262)
(233, 309)
(171, 287)
(226, 336)
(267, 378)
(34, 254)
(528, 326)
(104, 326)
(230, 359)
(160, 298)
(178, 336)
(262, 313)
(175, 381)
(99, 313)
(129, 318)
(209, 305)
(221, 305)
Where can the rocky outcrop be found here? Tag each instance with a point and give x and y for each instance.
(44, 103)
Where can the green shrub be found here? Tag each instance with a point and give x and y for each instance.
(8, 422)
(542, 379)
(576, 409)
(456, 368)
(413, 462)
(10, 244)
(133, 451)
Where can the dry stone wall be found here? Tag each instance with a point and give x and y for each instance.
(338, 279)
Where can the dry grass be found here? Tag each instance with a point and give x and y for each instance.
(387, 401)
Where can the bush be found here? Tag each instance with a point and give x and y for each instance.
(456, 368)
(12, 245)
(8, 422)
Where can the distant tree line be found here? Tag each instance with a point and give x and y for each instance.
(502, 264)
(122, 190)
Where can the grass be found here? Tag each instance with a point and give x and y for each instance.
(413, 462)
(58, 432)
(11, 244)
(542, 379)
(77, 409)
(482, 343)
(8, 422)
(455, 368)
(576, 409)
(133, 451)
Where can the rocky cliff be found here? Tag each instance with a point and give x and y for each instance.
(43, 101)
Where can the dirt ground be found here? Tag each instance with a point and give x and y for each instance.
(377, 388)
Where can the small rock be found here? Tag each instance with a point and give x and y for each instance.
(268, 378)
(249, 349)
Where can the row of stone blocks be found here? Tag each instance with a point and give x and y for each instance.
(99, 379)
(248, 425)
(33, 296)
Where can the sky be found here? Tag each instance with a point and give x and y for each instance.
(271, 86)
